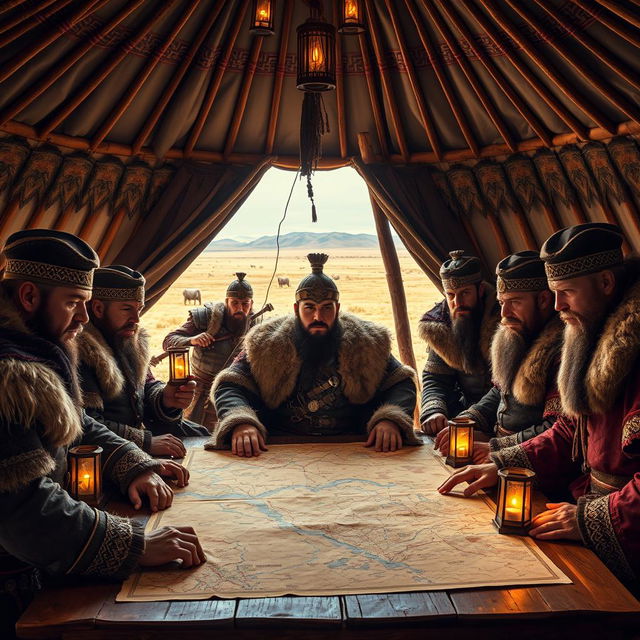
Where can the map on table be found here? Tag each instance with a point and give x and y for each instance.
(331, 519)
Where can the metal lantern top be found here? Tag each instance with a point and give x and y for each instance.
(316, 56)
(351, 17)
(262, 17)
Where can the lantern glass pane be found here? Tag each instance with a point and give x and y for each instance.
(515, 501)
(86, 476)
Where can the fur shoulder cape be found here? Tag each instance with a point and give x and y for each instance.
(96, 354)
(33, 393)
(209, 317)
(363, 357)
(530, 384)
(435, 330)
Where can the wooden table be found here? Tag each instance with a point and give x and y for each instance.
(595, 606)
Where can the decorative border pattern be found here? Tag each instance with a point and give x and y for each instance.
(552, 407)
(48, 273)
(480, 420)
(115, 547)
(583, 265)
(521, 284)
(503, 442)
(431, 407)
(455, 282)
(317, 294)
(631, 435)
(113, 293)
(511, 457)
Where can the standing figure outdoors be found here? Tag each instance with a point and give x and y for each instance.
(317, 372)
(592, 452)
(458, 334)
(525, 354)
(118, 389)
(44, 289)
(215, 330)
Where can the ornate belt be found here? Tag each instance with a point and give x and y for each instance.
(603, 483)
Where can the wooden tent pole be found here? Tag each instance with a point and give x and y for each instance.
(617, 8)
(104, 244)
(617, 26)
(342, 116)
(60, 223)
(10, 4)
(24, 14)
(396, 287)
(504, 246)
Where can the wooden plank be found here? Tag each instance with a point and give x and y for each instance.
(289, 610)
(474, 604)
(396, 607)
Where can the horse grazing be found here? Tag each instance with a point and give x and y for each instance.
(283, 282)
(192, 294)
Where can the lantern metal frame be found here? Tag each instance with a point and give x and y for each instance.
(316, 75)
(458, 427)
(85, 464)
(520, 480)
(351, 24)
(259, 25)
(174, 354)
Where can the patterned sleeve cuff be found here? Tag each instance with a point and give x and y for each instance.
(497, 444)
(237, 416)
(432, 406)
(631, 436)
(137, 436)
(128, 462)
(479, 419)
(598, 533)
(399, 417)
(164, 414)
(511, 457)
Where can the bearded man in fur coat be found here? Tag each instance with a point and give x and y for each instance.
(525, 354)
(215, 331)
(458, 334)
(318, 372)
(45, 286)
(592, 452)
(118, 388)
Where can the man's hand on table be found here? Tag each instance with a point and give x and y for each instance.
(479, 476)
(247, 441)
(386, 436)
(151, 485)
(434, 424)
(167, 445)
(174, 470)
(168, 544)
(560, 522)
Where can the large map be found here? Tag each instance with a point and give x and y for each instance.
(334, 519)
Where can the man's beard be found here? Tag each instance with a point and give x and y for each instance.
(508, 350)
(466, 333)
(317, 349)
(236, 323)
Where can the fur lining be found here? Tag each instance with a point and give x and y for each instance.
(439, 335)
(217, 316)
(362, 358)
(530, 383)
(96, 353)
(92, 400)
(399, 417)
(232, 376)
(18, 471)
(235, 417)
(33, 393)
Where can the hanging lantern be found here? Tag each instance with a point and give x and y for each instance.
(351, 17)
(460, 442)
(85, 473)
(179, 366)
(316, 56)
(262, 17)
(513, 508)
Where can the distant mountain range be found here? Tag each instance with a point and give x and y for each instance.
(303, 240)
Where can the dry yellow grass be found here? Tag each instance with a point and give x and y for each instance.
(363, 288)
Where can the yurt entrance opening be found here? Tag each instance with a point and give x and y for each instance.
(346, 230)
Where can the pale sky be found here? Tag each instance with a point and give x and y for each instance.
(342, 203)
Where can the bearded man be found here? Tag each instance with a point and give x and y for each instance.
(458, 332)
(525, 352)
(215, 330)
(318, 372)
(118, 389)
(592, 452)
(45, 286)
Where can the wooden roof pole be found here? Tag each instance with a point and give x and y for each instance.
(10, 4)
(278, 78)
(618, 9)
(10, 68)
(141, 78)
(170, 89)
(104, 244)
(373, 96)
(502, 81)
(607, 91)
(387, 88)
(241, 102)
(447, 88)
(396, 286)
(560, 110)
(594, 113)
(39, 87)
(64, 110)
(27, 13)
(617, 26)
(342, 118)
(470, 74)
(427, 125)
(214, 85)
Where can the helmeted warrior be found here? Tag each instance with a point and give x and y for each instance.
(216, 331)
(317, 372)
(458, 332)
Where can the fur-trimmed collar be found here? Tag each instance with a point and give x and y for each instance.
(435, 329)
(275, 362)
(616, 351)
(110, 371)
(529, 385)
(26, 380)
(216, 319)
